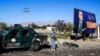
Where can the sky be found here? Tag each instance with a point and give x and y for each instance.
(45, 11)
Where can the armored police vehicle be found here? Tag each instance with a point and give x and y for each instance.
(21, 37)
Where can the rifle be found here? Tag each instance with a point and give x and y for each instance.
(57, 40)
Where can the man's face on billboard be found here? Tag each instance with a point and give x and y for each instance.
(80, 15)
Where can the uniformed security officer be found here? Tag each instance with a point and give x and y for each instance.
(53, 39)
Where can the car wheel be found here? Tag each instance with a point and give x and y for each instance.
(35, 46)
(1, 48)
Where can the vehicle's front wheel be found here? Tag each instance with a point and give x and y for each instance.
(35, 46)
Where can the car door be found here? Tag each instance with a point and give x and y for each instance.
(30, 36)
(13, 38)
(24, 37)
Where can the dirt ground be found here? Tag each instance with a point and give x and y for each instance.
(70, 52)
(64, 48)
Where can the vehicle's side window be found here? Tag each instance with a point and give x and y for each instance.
(24, 32)
(13, 33)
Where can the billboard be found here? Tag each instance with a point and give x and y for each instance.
(84, 21)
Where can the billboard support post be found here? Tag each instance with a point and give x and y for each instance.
(98, 37)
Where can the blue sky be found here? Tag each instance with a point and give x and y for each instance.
(45, 11)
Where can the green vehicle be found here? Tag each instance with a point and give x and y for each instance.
(21, 37)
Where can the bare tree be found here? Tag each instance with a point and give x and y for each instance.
(60, 25)
(44, 27)
(48, 25)
(34, 26)
(3, 25)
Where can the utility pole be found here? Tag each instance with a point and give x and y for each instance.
(26, 11)
(98, 27)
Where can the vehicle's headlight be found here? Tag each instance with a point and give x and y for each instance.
(13, 40)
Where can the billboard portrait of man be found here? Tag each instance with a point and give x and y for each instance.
(80, 16)
(79, 24)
